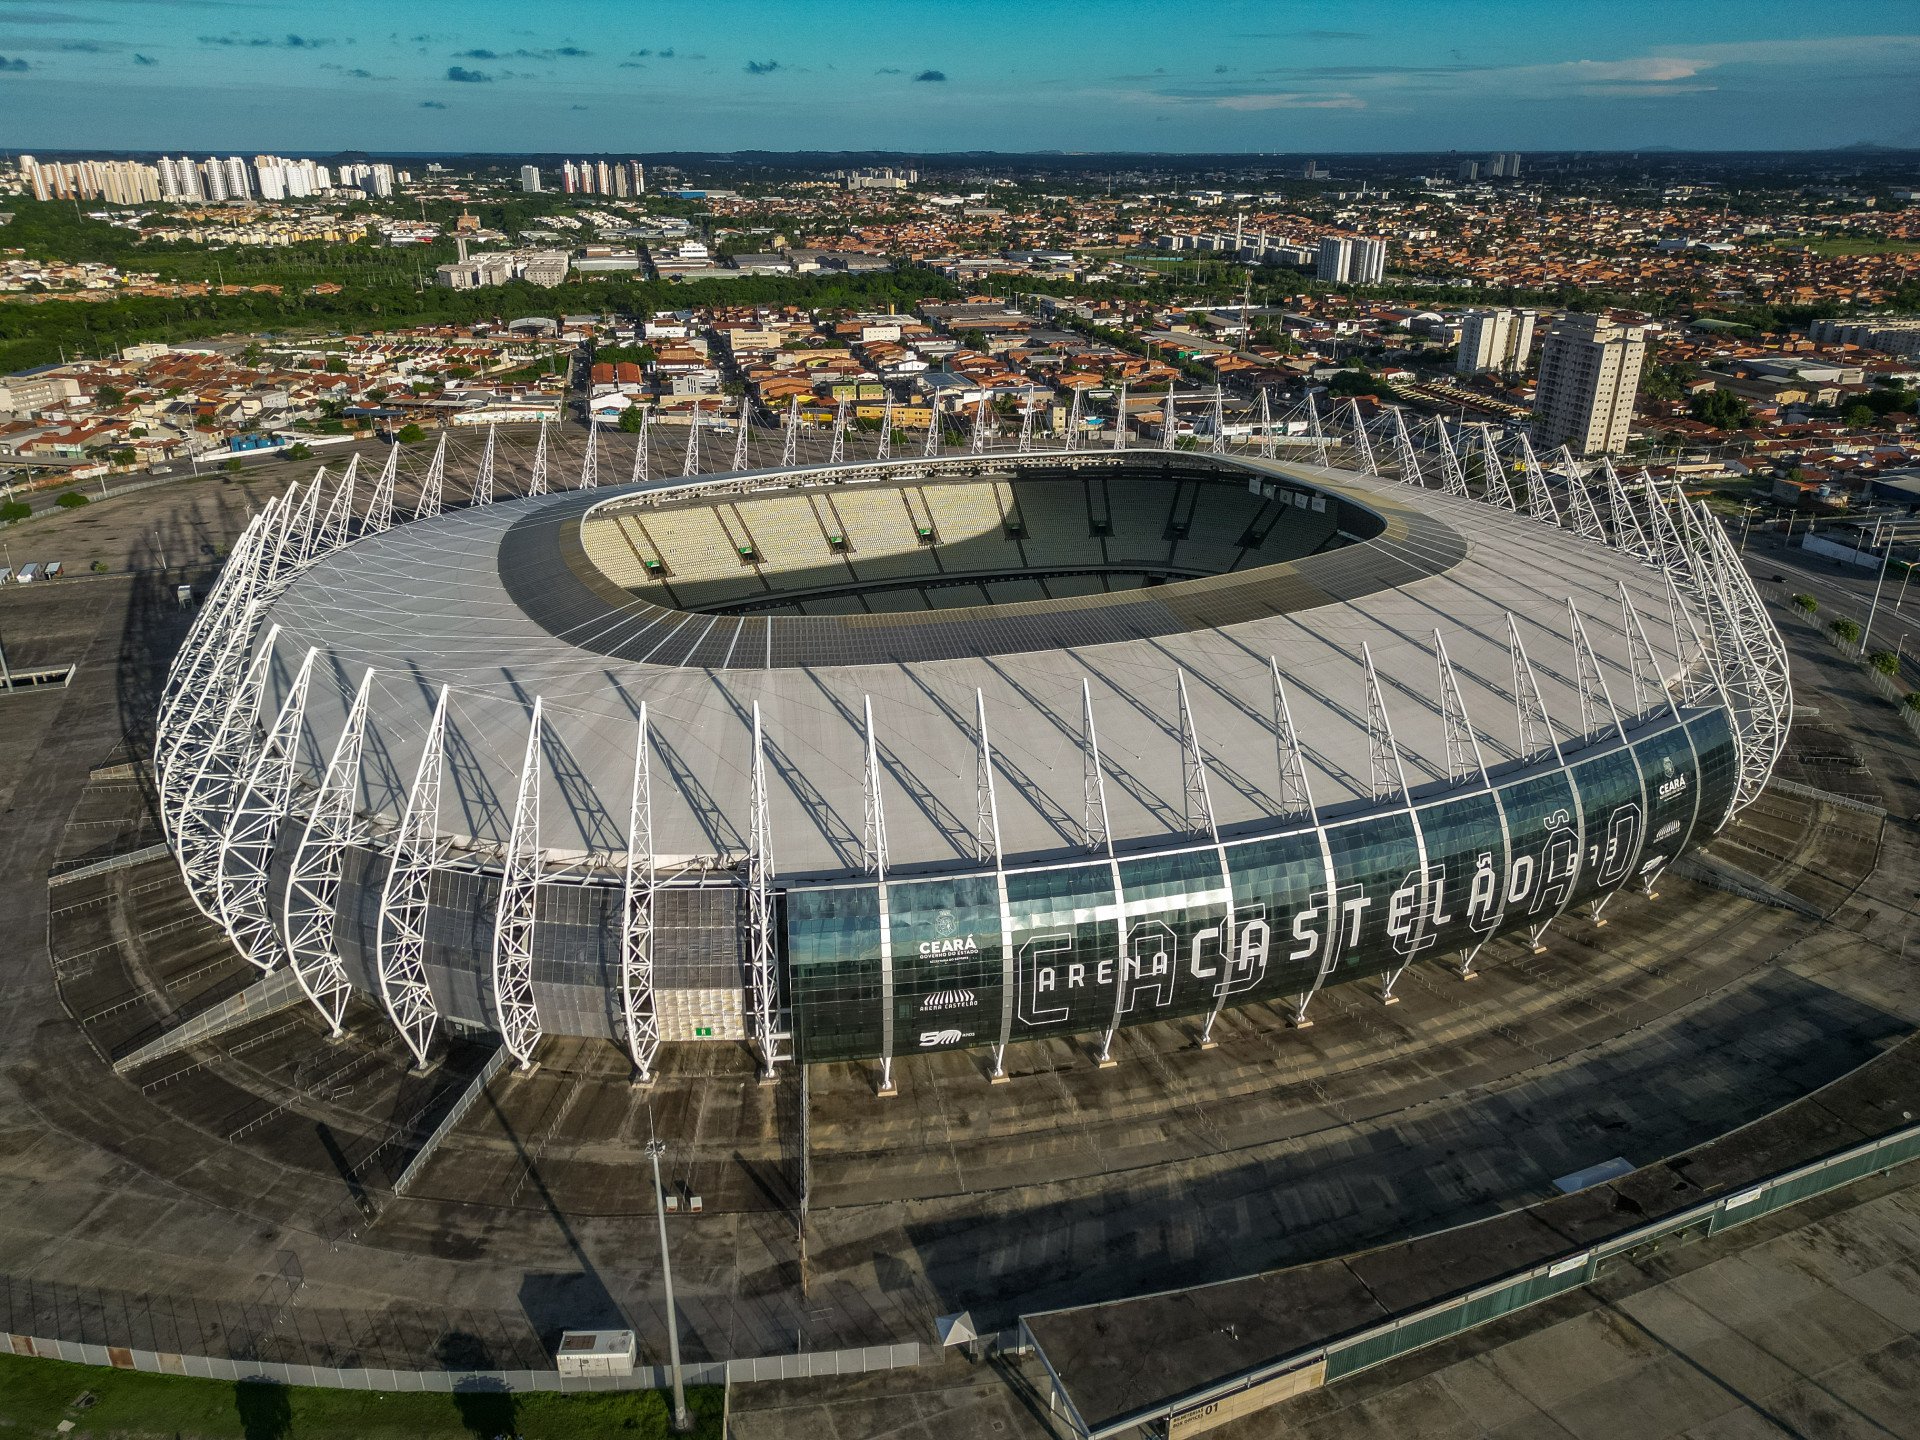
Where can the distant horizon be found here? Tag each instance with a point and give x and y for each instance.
(581, 152)
(1241, 77)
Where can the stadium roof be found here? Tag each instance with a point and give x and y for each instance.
(426, 605)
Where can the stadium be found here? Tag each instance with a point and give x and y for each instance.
(853, 760)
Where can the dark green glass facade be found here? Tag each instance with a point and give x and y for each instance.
(1202, 927)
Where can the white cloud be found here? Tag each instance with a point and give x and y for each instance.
(1291, 100)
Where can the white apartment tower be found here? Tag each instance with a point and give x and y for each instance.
(1344, 261)
(530, 179)
(1335, 261)
(1589, 375)
(1498, 340)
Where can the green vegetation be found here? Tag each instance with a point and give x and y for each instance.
(1885, 661)
(1846, 631)
(36, 1395)
(410, 434)
(71, 500)
(299, 450)
(12, 512)
(1807, 603)
(1721, 409)
(624, 355)
(1835, 246)
(1913, 701)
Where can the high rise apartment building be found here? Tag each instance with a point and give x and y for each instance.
(1589, 375)
(530, 179)
(1351, 261)
(1497, 340)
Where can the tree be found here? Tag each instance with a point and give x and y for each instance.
(254, 353)
(410, 434)
(335, 365)
(232, 466)
(71, 500)
(109, 395)
(1807, 603)
(1858, 416)
(1846, 631)
(12, 512)
(299, 450)
(1721, 409)
(631, 419)
(1885, 661)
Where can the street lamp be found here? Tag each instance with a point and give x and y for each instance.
(682, 1421)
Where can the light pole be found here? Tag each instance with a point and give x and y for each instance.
(1874, 608)
(682, 1422)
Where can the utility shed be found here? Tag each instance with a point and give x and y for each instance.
(595, 1352)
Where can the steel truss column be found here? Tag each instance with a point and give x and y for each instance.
(1267, 439)
(187, 677)
(986, 830)
(379, 514)
(690, 465)
(1217, 442)
(1586, 519)
(873, 844)
(1362, 445)
(637, 893)
(336, 526)
(1539, 496)
(884, 450)
(1093, 785)
(978, 442)
(313, 879)
(1536, 729)
(514, 922)
(1318, 434)
(1493, 465)
(1587, 668)
(743, 428)
(1755, 663)
(433, 488)
(1296, 794)
(1074, 416)
(1120, 419)
(1025, 445)
(641, 472)
(1389, 777)
(483, 477)
(1649, 686)
(1453, 479)
(1628, 537)
(253, 829)
(1467, 765)
(400, 942)
(837, 444)
(763, 979)
(1169, 421)
(537, 477)
(987, 846)
(590, 457)
(790, 436)
(1404, 453)
(1196, 797)
(931, 446)
(302, 534)
(208, 800)
(1692, 653)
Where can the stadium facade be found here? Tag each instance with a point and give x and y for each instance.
(851, 761)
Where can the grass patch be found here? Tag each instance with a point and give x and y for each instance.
(36, 1395)
(1837, 246)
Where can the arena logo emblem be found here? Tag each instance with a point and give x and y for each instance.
(948, 1000)
(932, 1039)
(948, 943)
(1674, 784)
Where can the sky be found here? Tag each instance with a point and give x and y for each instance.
(599, 76)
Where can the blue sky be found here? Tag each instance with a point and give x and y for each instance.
(1168, 75)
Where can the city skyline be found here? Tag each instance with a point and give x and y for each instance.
(1132, 75)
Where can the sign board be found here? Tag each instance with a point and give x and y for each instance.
(1248, 1401)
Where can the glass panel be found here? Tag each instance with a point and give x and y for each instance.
(1275, 882)
(1546, 848)
(1177, 935)
(1465, 858)
(833, 960)
(1719, 767)
(1673, 789)
(946, 962)
(1374, 860)
(1610, 795)
(1065, 944)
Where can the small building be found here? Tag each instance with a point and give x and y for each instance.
(595, 1352)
